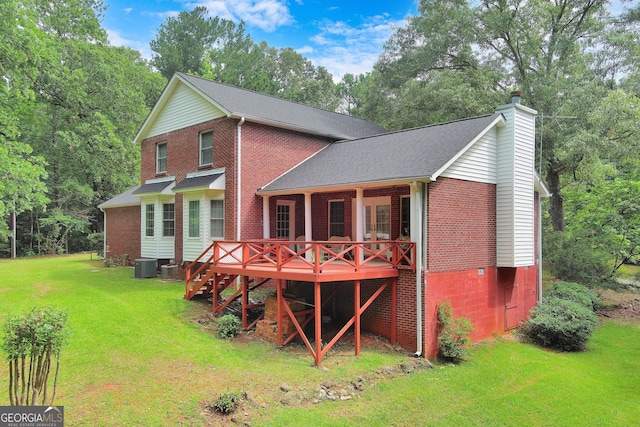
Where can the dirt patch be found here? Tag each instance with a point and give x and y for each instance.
(622, 306)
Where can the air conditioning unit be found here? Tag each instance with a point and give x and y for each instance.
(145, 268)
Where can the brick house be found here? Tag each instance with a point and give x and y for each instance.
(372, 229)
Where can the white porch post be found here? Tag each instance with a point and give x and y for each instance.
(360, 218)
(266, 221)
(308, 218)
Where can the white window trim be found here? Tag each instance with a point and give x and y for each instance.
(200, 147)
(158, 157)
(292, 217)
(210, 219)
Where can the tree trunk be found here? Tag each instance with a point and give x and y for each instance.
(556, 208)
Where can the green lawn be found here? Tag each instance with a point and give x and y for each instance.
(137, 356)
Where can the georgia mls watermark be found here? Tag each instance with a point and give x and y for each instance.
(31, 416)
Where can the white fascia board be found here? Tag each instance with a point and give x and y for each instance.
(344, 187)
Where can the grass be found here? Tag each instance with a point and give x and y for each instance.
(138, 357)
(629, 272)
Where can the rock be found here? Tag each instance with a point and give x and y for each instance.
(292, 398)
(285, 388)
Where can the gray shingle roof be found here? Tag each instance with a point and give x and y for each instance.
(261, 108)
(121, 200)
(155, 187)
(197, 181)
(403, 155)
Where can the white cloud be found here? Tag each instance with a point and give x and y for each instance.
(268, 15)
(305, 49)
(127, 10)
(162, 15)
(116, 39)
(342, 47)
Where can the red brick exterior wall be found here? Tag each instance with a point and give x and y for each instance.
(267, 153)
(123, 232)
(461, 224)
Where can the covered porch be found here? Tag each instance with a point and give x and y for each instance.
(328, 266)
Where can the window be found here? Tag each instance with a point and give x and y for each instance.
(217, 219)
(149, 218)
(161, 157)
(285, 219)
(194, 218)
(405, 216)
(168, 220)
(206, 148)
(336, 218)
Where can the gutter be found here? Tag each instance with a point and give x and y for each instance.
(239, 180)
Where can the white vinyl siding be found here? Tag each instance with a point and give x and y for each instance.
(514, 192)
(184, 108)
(478, 163)
(156, 246)
(199, 203)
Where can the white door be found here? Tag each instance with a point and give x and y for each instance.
(377, 218)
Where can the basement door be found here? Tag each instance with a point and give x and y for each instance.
(511, 317)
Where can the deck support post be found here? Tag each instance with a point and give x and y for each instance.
(394, 309)
(216, 293)
(356, 300)
(245, 300)
(317, 291)
(280, 301)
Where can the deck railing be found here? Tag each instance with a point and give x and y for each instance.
(317, 255)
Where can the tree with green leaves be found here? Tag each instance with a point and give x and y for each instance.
(21, 172)
(458, 53)
(182, 42)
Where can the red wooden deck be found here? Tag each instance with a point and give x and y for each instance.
(315, 262)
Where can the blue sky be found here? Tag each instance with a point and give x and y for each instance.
(343, 36)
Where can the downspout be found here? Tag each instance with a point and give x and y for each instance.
(104, 235)
(239, 180)
(539, 248)
(418, 189)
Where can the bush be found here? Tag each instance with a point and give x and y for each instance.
(561, 324)
(454, 333)
(228, 402)
(228, 326)
(33, 342)
(573, 292)
(577, 261)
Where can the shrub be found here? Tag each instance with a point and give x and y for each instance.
(454, 333)
(228, 326)
(573, 292)
(577, 261)
(30, 342)
(228, 402)
(561, 324)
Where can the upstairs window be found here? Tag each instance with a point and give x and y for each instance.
(206, 148)
(216, 217)
(149, 219)
(168, 220)
(161, 157)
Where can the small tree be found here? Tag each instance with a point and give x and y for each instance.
(30, 342)
(228, 326)
(454, 333)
